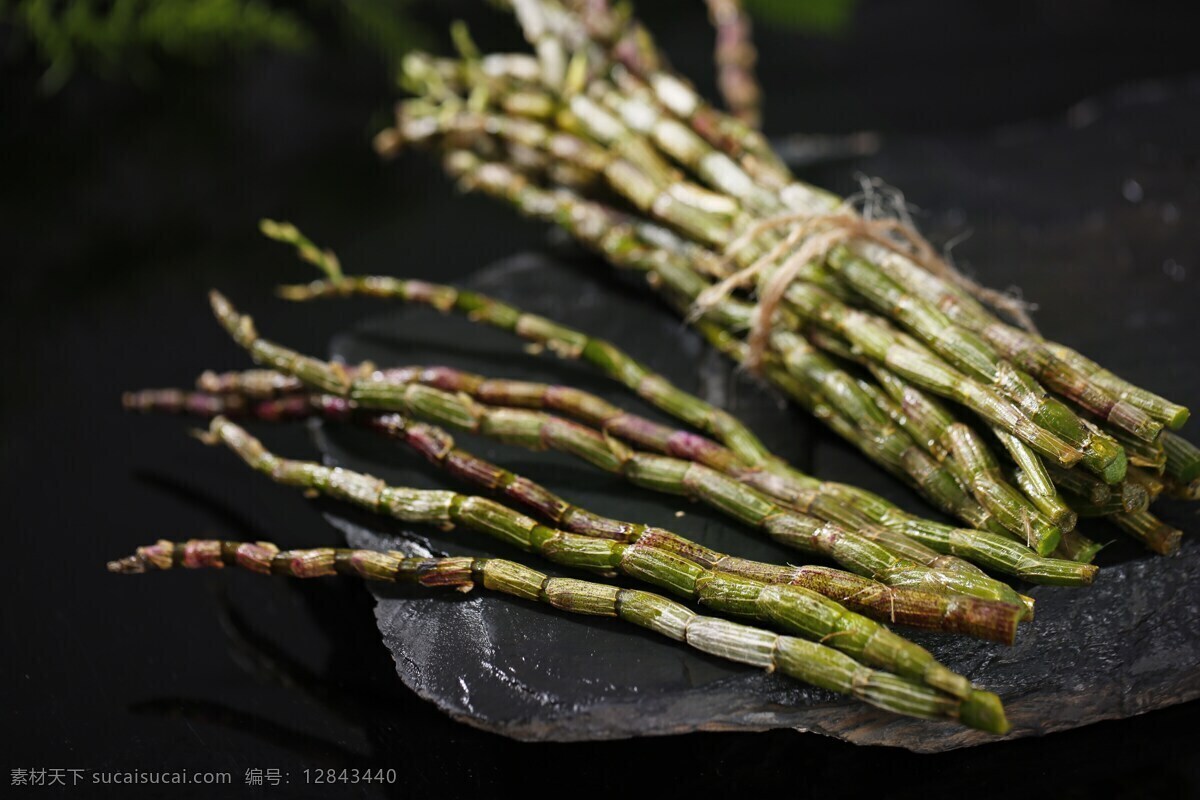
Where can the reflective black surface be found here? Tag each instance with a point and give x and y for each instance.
(122, 206)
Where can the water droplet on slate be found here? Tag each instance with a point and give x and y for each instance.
(1174, 270)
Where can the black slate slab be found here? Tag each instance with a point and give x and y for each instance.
(1127, 645)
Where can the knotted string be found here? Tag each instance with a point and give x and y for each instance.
(816, 235)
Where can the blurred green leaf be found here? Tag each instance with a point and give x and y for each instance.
(825, 17)
(384, 25)
(125, 38)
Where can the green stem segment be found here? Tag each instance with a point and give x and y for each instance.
(538, 430)
(968, 615)
(966, 351)
(1035, 481)
(1170, 414)
(969, 459)
(836, 503)
(806, 661)
(562, 340)
(797, 610)
(1007, 554)
(1021, 348)
(1183, 458)
(1150, 531)
(757, 465)
(953, 614)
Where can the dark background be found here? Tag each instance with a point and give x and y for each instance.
(121, 204)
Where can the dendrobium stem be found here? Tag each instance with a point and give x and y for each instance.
(953, 614)
(537, 430)
(688, 408)
(994, 552)
(1150, 531)
(806, 661)
(792, 607)
(735, 57)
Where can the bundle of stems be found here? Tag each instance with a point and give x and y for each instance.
(889, 559)
(744, 457)
(790, 607)
(955, 614)
(807, 661)
(666, 474)
(801, 285)
(659, 392)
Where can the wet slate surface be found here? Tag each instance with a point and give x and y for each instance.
(1110, 225)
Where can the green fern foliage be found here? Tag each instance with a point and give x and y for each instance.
(125, 37)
